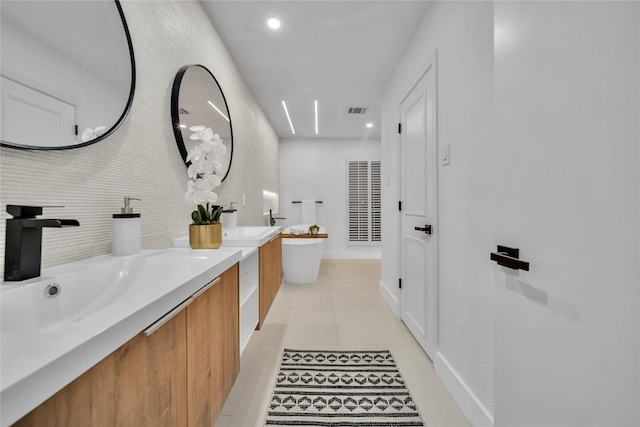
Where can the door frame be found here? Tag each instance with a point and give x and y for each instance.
(430, 65)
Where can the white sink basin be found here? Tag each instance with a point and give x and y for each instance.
(102, 303)
(81, 293)
(244, 236)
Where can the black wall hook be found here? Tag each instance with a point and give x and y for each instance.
(509, 257)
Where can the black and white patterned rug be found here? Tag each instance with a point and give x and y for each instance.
(341, 388)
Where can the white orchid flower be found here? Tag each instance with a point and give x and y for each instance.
(192, 171)
(205, 168)
(200, 132)
(210, 147)
(214, 180)
(203, 185)
(208, 169)
(195, 154)
(219, 149)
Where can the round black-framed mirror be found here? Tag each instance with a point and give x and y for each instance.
(68, 79)
(198, 100)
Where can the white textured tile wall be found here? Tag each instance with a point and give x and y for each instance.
(141, 158)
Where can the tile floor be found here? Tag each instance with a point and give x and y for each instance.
(342, 310)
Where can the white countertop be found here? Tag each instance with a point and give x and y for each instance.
(241, 236)
(37, 361)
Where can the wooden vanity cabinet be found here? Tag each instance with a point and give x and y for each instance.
(180, 375)
(142, 383)
(270, 261)
(213, 348)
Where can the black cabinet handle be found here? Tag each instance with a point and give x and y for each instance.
(510, 258)
(426, 229)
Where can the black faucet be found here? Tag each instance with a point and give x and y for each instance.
(272, 219)
(23, 241)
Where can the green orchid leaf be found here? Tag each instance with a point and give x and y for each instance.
(204, 217)
(195, 216)
(217, 212)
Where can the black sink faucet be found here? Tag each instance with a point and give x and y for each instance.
(272, 219)
(23, 241)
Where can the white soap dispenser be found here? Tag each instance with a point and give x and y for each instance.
(126, 230)
(230, 216)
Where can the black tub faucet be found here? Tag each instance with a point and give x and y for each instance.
(272, 219)
(23, 241)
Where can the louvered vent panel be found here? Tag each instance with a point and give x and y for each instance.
(357, 110)
(376, 228)
(358, 202)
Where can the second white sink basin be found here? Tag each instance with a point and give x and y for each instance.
(253, 236)
(242, 232)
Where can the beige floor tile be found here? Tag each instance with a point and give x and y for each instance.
(249, 421)
(343, 310)
(337, 271)
(445, 421)
(359, 300)
(355, 281)
(300, 335)
(315, 301)
(302, 316)
(257, 362)
(224, 421)
(370, 328)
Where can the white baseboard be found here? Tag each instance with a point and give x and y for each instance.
(468, 402)
(389, 297)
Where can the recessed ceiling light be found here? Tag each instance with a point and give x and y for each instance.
(273, 23)
(369, 125)
(316, 117)
(288, 118)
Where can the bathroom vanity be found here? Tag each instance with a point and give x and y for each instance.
(270, 257)
(163, 350)
(260, 271)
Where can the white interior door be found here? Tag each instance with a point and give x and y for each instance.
(35, 118)
(567, 184)
(419, 209)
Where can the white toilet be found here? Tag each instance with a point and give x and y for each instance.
(301, 257)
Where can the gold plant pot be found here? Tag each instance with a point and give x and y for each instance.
(205, 236)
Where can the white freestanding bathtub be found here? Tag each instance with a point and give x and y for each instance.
(301, 257)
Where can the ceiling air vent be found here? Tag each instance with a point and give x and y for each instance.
(357, 110)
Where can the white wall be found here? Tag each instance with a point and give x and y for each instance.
(567, 104)
(141, 158)
(553, 170)
(462, 33)
(314, 169)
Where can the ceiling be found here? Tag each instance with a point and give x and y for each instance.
(340, 53)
